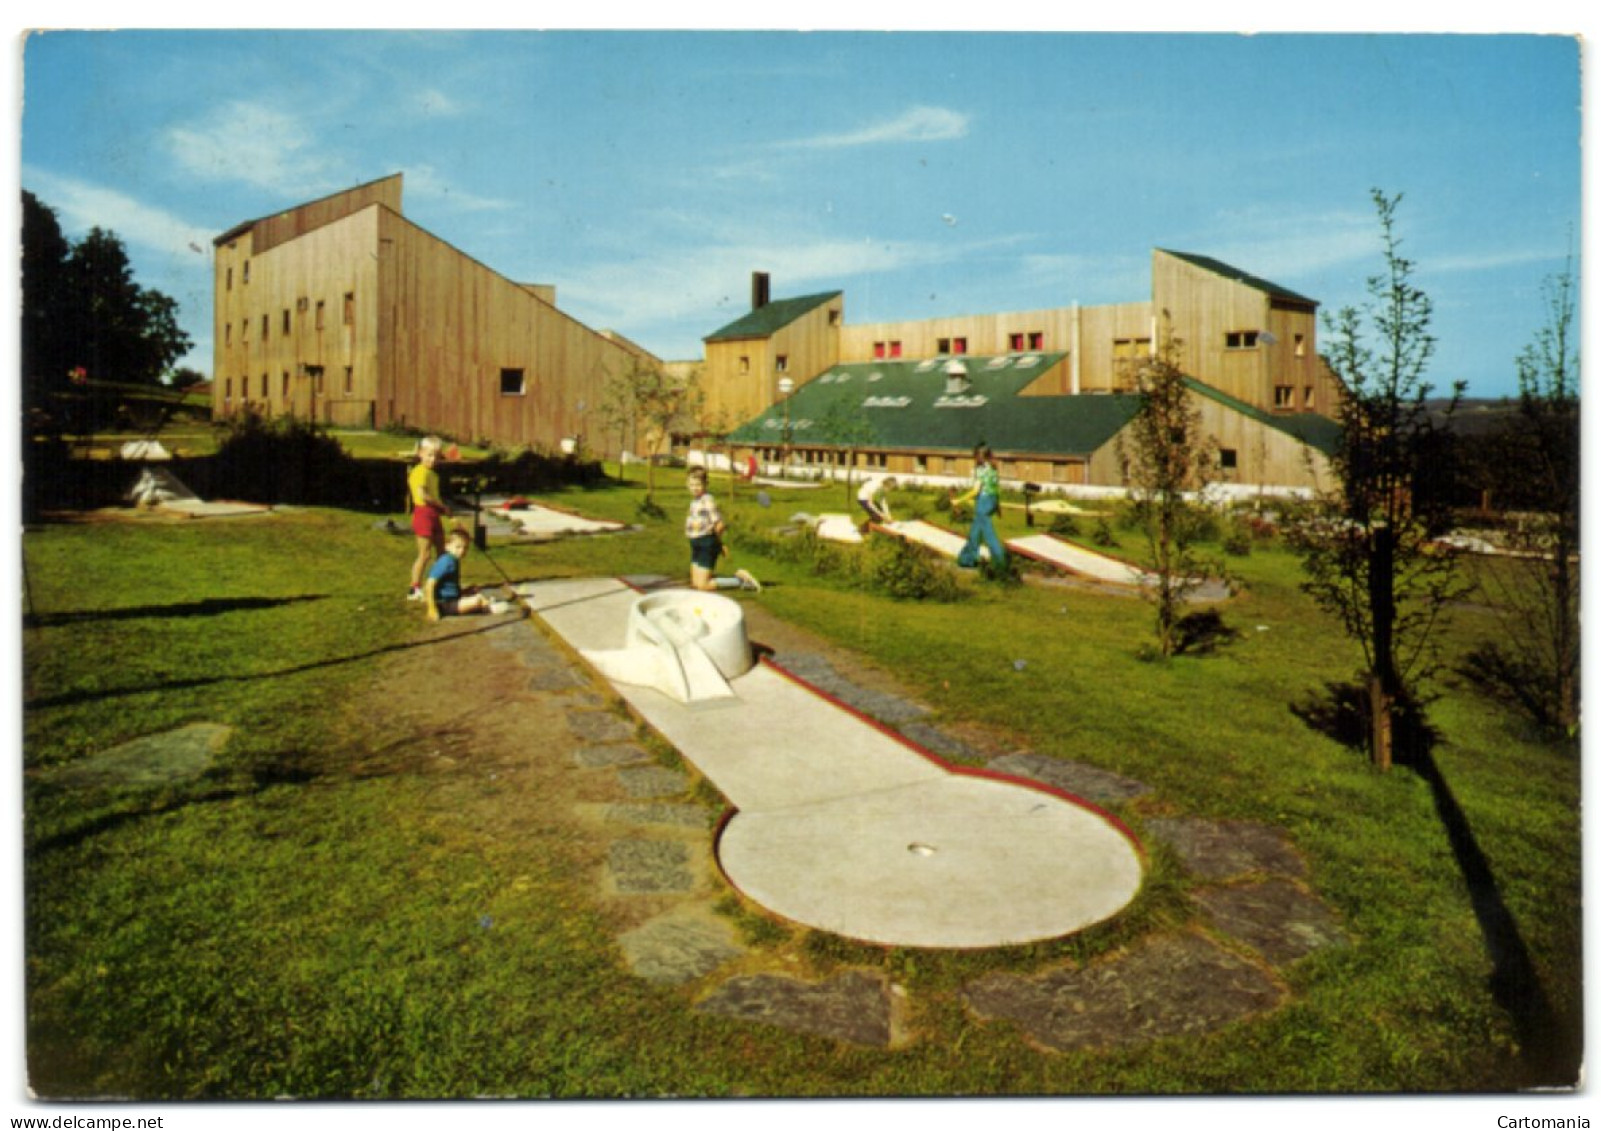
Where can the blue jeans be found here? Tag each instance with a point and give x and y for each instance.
(983, 529)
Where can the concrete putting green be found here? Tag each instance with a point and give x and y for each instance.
(848, 827)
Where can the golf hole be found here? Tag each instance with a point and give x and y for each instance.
(916, 848)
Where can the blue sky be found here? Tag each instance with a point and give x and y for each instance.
(647, 174)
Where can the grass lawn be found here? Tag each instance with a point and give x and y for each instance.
(299, 923)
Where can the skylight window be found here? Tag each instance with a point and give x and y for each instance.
(1028, 362)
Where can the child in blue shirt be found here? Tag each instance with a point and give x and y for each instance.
(443, 590)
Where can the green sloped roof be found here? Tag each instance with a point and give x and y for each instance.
(765, 320)
(1308, 427)
(906, 406)
(1218, 267)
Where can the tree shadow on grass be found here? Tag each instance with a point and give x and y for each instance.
(1551, 1048)
(73, 698)
(207, 607)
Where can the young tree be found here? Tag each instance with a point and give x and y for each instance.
(1167, 458)
(849, 431)
(1535, 658)
(652, 404)
(1371, 554)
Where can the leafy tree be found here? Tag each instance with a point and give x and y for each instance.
(46, 356)
(1166, 458)
(1370, 551)
(1535, 659)
(84, 313)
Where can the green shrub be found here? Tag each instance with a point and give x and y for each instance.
(1065, 525)
(907, 572)
(1102, 534)
(285, 460)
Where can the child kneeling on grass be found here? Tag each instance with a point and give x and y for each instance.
(443, 590)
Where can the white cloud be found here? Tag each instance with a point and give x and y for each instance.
(81, 205)
(920, 123)
(254, 144)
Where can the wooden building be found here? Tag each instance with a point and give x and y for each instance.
(343, 311)
(1250, 346)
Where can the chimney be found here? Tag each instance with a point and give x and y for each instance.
(759, 290)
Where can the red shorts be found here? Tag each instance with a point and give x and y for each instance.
(425, 523)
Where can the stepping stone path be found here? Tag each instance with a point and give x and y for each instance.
(679, 946)
(1162, 987)
(154, 760)
(1088, 782)
(854, 1006)
(1277, 918)
(1253, 896)
(1221, 850)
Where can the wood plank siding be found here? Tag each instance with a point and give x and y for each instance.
(344, 312)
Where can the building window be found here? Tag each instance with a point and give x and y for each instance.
(744, 365)
(833, 318)
(958, 345)
(286, 322)
(350, 379)
(244, 330)
(1036, 339)
(1283, 396)
(244, 389)
(229, 285)
(1300, 345)
(320, 306)
(227, 334)
(266, 326)
(1307, 400)
(782, 363)
(880, 349)
(266, 388)
(1014, 342)
(227, 390)
(350, 308)
(943, 346)
(1240, 340)
(512, 383)
(1228, 459)
(247, 271)
(894, 349)
(286, 386)
(1128, 349)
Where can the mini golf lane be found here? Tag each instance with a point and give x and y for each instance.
(847, 827)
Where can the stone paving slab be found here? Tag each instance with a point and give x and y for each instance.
(1164, 987)
(1089, 782)
(665, 813)
(817, 671)
(678, 947)
(607, 755)
(599, 726)
(1277, 918)
(932, 739)
(854, 1006)
(154, 760)
(645, 867)
(652, 781)
(1223, 850)
(554, 677)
